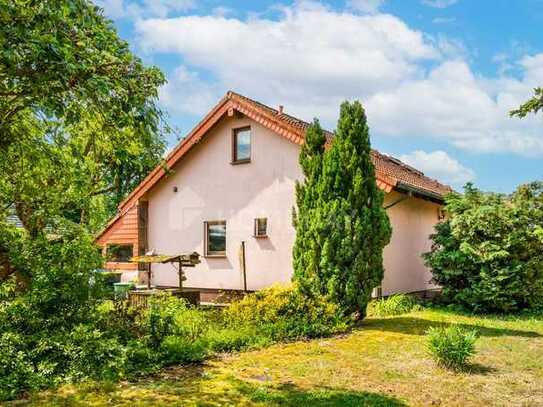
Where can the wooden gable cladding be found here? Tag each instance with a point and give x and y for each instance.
(123, 230)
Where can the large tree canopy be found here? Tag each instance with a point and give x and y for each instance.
(79, 121)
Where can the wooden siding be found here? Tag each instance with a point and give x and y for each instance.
(123, 231)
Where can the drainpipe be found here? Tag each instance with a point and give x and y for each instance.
(242, 264)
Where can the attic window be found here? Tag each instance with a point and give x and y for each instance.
(241, 145)
(261, 227)
(119, 253)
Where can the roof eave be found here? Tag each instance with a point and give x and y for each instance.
(420, 192)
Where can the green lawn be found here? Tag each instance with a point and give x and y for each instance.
(381, 363)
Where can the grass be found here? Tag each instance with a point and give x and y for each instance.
(384, 362)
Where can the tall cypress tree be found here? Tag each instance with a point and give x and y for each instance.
(347, 227)
(306, 252)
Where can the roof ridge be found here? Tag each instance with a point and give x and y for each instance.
(304, 124)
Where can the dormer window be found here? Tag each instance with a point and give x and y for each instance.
(241, 145)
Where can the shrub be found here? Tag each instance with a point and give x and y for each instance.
(487, 255)
(93, 355)
(234, 339)
(140, 358)
(177, 349)
(396, 304)
(451, 347)
(16, 370)
(167, 315)
(283, 312)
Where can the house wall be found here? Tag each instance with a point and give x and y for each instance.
(412, 220)
(210, 188)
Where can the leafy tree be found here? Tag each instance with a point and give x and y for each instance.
(346, 227)
(534, 105)
(79, 122)
(487, 254)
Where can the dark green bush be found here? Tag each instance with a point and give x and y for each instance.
(93, 355)
(452, 347)
(487, 255)
(16, 370)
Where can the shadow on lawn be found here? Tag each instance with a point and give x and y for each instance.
(418, 326)
(291, 395)
(193, 386)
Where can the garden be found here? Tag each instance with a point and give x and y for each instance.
(382, 362)
(81, 127)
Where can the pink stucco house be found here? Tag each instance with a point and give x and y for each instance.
(231, 185)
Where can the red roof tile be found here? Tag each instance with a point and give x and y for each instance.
(384, 164)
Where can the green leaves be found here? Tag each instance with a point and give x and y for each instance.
(79, 121)
(488, 255)
(534, 105)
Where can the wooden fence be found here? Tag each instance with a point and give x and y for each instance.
(140, 298)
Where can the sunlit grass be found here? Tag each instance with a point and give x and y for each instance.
(383, 362)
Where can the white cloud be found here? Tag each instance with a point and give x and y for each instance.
(438, 164)
(187, 93)
(455, 106)
(118, 9)
(366, 6)
(311, 58)
(439, 3)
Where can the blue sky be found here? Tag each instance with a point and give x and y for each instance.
(437, 77)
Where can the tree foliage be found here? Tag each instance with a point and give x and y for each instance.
(341, 225)
(533, 105)
(79, 122)
(488, 254)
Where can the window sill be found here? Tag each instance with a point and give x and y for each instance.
(215, 256)
(247, 161)
(260, 236)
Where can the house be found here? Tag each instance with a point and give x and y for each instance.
(228, 194)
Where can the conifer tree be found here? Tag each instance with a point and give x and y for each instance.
(306, 253)
(347, 227)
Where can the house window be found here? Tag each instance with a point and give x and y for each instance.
(241, 145)
(119, 253)
(261, 227)
(215, 238)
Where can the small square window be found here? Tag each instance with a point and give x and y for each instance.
(241, 145)
(215, 238)
(261, 227)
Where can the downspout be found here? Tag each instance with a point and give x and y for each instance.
(242, 264)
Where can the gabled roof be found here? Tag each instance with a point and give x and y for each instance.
(390, 172)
